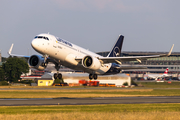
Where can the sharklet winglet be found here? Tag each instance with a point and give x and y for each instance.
(170, 50)
(10, 50)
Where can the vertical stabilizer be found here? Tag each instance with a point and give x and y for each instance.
(116, 50)
(166, 72)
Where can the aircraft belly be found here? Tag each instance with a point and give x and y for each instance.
(104, 68)
(80, 67)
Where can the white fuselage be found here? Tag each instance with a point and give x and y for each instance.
(65, 53)
(156, 76)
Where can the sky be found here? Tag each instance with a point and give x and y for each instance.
(148, 25)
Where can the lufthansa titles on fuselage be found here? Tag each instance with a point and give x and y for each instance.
(63, 41)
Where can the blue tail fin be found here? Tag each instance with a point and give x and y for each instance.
(116, 50)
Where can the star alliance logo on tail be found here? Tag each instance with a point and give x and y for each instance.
(116, 52)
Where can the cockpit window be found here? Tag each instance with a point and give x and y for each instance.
(42, 37)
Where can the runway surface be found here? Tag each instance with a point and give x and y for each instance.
(89, 101)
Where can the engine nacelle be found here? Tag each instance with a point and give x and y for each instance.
(37, 61)
(91, 63)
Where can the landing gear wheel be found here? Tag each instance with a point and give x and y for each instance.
(90, 76)
(95, 76)
(43, 64)
(59, 76)
(55, 75)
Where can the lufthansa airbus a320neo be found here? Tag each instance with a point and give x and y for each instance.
(61, 52)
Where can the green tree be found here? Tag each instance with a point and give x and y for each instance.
(13, 68)
(58, 81)
(2, 76)
(125, 83)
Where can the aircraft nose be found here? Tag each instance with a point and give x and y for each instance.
(34, 44)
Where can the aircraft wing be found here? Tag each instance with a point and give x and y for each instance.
(133, 58)
(27, 57)
(14, 55)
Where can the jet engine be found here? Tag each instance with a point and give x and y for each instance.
(37, 61)
(91, 63)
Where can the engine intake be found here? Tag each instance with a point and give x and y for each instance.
(91, 63)
(37, 61)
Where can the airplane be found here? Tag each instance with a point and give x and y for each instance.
(62, 52)
(157, 76)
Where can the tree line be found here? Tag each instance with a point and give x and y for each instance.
(13, 68)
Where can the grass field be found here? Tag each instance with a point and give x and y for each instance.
(93, 112)
(160, 84)
(173, 84)
(50, 93)
(149, 89)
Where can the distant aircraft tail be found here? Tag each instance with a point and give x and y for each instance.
(166, 72)
(116, 50)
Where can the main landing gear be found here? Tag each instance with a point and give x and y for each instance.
(57, 75)
(91, 76)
